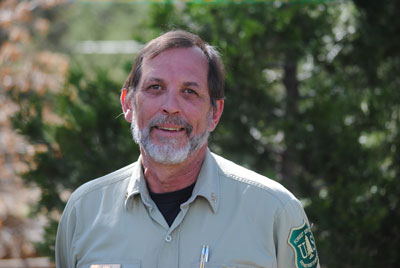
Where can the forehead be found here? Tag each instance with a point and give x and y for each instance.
(183, 63)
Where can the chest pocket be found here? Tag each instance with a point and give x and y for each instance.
(114, 265)
(215, 265)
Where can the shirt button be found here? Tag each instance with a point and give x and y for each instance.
(168, 238)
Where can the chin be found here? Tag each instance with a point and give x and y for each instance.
(167, 153)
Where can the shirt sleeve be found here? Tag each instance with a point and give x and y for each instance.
(65, 238)
(295, 244)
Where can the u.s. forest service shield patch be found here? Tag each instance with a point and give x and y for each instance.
(303, 244)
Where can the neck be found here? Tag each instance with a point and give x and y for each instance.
(163, 178)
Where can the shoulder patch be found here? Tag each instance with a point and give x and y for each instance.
(302, 241)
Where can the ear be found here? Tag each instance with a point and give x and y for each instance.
(126, 104)
(216, 114)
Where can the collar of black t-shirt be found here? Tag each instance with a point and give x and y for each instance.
(169, 203)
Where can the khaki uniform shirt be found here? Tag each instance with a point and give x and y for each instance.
(245, 219)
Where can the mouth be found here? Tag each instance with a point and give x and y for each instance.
(170, 125)
(171, 129)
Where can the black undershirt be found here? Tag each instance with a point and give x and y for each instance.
(169, 204)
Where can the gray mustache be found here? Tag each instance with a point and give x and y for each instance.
(175, 120)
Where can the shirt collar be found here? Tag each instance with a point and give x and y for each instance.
(207, 184)
(137, 185)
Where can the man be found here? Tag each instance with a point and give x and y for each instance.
(180, 205)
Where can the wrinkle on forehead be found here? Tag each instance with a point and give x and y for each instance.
(170, 63)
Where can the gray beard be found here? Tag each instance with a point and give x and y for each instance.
(168, 152)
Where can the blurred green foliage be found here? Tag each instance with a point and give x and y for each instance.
(92, 139)
(312, 100)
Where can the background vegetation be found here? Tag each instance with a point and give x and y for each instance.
(312, 100)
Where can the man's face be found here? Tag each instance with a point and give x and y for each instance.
(172, 114)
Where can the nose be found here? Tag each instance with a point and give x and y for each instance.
(171, 105)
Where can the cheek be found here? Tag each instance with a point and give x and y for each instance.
(202, 120)
(144, 112)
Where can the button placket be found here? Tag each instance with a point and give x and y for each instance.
(168, 256)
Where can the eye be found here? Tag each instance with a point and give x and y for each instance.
(154, 87)
(190, 91)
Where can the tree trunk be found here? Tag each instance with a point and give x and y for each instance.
(291, 113)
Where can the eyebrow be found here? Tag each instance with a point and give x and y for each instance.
(159, 80)
(190, 84)
(153, 79)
